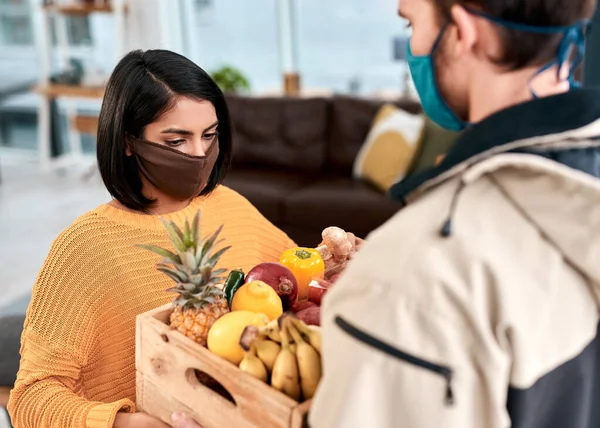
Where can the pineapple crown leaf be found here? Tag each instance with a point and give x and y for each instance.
(168, 255)
(198, 280)
(175, 275)
(169, 263)
(175, 234)
(186, 234)
(195, 232)
(210, 242)
(188, 239)
(206, 272)
(188, 286)
(189, 261)
(219, 272)
(212, 260)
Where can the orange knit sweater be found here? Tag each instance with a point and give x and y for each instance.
(78, 345)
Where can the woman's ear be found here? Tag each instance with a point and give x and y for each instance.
(128, 143)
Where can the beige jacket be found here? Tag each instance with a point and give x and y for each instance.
(492, 326)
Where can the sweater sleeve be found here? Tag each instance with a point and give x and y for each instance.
(57, 341)
(47, 392)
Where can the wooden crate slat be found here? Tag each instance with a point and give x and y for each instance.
(165, 361)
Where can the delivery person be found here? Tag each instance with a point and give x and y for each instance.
(476, 306)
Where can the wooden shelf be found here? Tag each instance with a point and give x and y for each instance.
(72, 91)
(79, 8)
(85, 124)
(4, 394)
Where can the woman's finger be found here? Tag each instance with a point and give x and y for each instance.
(181, 420)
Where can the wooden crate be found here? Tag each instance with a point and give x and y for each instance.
(168, 367)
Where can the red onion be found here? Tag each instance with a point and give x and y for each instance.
(310, 316)
(300, 305)
(279, 278)
(316, 291)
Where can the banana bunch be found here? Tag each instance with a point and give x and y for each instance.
(285, 354)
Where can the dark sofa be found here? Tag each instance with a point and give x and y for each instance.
(293, 160)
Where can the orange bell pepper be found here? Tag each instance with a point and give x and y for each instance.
(306, 264)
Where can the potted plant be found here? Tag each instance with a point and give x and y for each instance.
(230, 80)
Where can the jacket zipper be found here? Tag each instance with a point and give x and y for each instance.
(367, 339)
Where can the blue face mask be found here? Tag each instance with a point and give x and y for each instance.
(422, 68)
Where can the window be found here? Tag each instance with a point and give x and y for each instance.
(344, 46)
(351, 45)
(241, 34)
(78, 31)
(16, 28)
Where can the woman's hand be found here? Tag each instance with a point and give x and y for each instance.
(183, 421)
(138, 420)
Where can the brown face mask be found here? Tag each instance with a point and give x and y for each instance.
(175, 173)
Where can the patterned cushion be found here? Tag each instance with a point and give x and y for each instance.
(388, 152)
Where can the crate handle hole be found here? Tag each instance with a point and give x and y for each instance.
(197, 377)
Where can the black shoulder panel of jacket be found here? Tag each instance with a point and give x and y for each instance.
(567, 397)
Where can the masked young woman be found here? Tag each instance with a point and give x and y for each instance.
(164, 145)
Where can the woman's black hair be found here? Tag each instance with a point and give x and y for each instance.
(143, 86)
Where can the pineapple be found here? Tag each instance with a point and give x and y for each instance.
(200, 301)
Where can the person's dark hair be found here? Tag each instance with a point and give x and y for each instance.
(522, 49)
(143, 86)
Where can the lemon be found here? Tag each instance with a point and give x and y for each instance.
(257, 296)
(224, 335)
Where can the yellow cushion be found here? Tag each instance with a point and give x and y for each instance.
(387, 154)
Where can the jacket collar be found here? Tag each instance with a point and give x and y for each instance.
(544, 116)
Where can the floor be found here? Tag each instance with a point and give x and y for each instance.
(4, 419)
(34, 209)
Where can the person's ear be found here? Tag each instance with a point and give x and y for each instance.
(466, 31)
(128, 143)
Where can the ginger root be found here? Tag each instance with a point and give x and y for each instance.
(337, 248)
(337, 241)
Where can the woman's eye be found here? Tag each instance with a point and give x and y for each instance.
(174, 143)
(210, 137)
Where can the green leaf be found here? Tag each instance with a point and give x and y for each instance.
(212, 261)
(210, 242)
(216, 280)
(206, 272)
(196, 279)
(187, 239)
(180, 302)
(189, 286)
(195, 232)
(190, 262)
(175, 234)
(218, 272)
(175, 275)
(161, 252)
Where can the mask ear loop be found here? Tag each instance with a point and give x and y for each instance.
(564, 51)
(582, 31)
(574, 37)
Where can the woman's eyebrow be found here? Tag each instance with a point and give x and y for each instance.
(185, 132)
(176, 131)
(212, 126)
